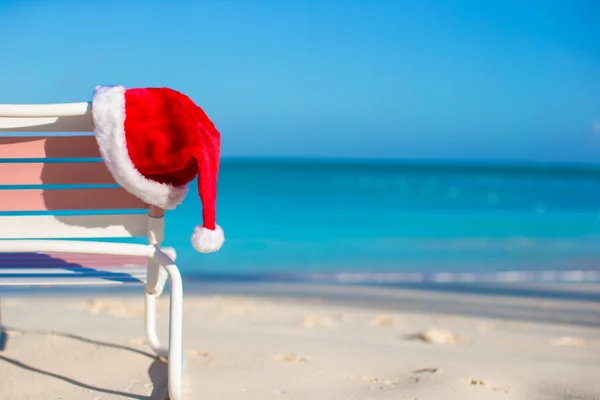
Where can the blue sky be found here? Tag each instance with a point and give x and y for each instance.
(513, 80)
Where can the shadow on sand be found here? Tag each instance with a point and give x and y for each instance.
(157, 371)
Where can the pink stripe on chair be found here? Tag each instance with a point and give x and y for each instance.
(76, 199)
(54, 173)
(49, 147)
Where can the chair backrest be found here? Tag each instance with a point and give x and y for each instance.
(57, 186)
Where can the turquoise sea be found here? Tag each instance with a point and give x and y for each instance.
(367, 221)
(387, 221)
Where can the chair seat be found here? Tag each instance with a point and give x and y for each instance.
(39, 269)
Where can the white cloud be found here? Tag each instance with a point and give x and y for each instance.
(596, 127)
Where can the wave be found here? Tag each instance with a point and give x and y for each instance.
(537, 276)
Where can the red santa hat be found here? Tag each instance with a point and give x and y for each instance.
(154, 141)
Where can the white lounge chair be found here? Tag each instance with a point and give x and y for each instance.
(38, 213)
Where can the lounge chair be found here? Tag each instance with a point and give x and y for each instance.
(38, 224)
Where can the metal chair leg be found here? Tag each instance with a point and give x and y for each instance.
(175, 366)
(174, 352)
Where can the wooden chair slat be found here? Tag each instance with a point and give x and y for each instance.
(73, 226)
(69, 199)
(92, 173)
(49, 147)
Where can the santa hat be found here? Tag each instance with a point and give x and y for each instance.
(154, 141)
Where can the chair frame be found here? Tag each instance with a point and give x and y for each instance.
(161, 260)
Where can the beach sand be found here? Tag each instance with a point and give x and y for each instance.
(246, 346)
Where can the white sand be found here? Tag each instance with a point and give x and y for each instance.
(80, 348)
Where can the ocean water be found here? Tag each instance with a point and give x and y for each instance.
(361, 221)
(383, 221)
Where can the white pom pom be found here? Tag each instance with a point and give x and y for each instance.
(206, 240)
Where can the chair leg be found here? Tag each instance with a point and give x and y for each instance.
(175, 366)
(174, 352)
(150, 320)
